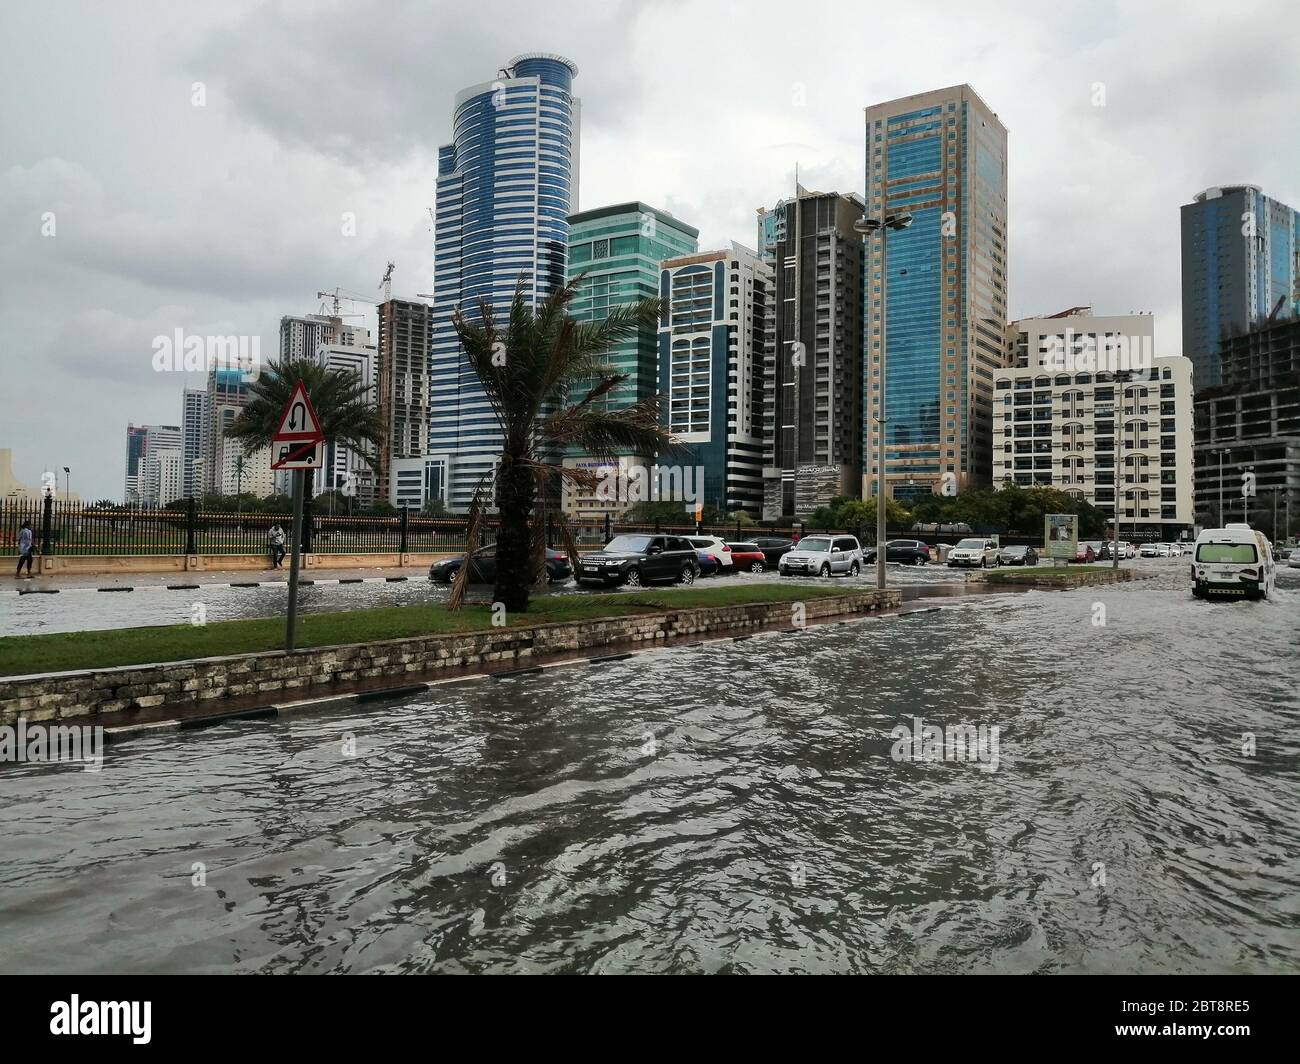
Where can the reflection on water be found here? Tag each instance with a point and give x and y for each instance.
(729, 807)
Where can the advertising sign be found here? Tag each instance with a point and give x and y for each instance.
(1061, 535)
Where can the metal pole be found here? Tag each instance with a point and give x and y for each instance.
(880, 410)
(291, 633)
(1119, 477)
(1222, 522)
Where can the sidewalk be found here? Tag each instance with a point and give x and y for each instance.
(230, 577)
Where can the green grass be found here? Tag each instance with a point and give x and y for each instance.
(62, 651)
(1012, 572)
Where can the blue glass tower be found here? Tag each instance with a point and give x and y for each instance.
(506, 186)
(1241, 265)
(935, 293)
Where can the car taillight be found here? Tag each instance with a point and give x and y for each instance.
(561, 557)
(726, 548)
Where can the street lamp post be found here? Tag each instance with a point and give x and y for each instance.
(67, 484)
(868, 226)
(1221, 453)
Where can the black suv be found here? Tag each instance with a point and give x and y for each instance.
(772, 547)
(640, 559)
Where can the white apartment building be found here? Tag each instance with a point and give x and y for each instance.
(1088, 409)
(161, 478)
(712, 341)
(256, 478)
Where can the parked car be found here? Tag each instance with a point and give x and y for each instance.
(1293, 562)
(640, 559)
(1149, 550)
(1017, 556)
(773, 547)
(906, 551)
(977, 553)
(709, 565)
(1087, 550)
(715, 546)
(823, 555)
(1162, 550)
(1130, 550)
(1232, 561)
(484, 569)
(746, 557)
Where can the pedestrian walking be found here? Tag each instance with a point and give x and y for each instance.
(26, 545)
(275, 537)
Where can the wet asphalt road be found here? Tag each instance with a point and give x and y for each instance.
(85, 609)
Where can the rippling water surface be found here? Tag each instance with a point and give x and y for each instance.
(728, 807)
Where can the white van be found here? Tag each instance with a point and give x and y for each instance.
(1232, 561)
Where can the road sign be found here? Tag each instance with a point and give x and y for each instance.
(298, 422)
(302, 454)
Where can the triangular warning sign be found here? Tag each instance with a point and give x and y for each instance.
(298, 422)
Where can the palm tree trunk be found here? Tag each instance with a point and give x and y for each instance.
(515, 491)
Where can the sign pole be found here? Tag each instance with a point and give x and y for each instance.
(290, 635)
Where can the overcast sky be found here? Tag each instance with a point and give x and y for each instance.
(220, 218)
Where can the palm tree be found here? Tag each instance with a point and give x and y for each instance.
(343, 405)
(240, 465)
(529, 372)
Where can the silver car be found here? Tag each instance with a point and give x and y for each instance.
(822, 556)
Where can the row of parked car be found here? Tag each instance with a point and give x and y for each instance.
(648, 558)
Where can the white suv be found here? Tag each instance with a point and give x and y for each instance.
(715, 546)
(973, 554)
(823, 555)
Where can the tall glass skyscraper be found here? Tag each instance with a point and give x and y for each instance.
(937, 292)
(1241, 264)
(506, 186)
(616, 251)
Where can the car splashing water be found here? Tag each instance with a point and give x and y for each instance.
(1128, 802)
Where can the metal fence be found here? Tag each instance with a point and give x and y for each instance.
(72, 529)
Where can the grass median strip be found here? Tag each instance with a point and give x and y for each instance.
(63, 651)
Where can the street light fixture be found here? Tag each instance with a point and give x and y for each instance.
(868, 227)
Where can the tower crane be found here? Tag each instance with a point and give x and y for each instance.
(387, 283)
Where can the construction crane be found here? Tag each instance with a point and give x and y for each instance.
(335, 297)
(387, 283)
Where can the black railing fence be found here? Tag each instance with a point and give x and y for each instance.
(72, 529)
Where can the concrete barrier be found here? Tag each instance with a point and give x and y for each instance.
(247, 680)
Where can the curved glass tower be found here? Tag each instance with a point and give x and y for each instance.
(506, 186)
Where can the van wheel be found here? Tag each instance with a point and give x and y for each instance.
(853, 569)
(687, 575)
(633, 578)
(825, 569)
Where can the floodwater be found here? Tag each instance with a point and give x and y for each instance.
(731, 807)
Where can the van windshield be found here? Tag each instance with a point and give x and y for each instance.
(1226, 553)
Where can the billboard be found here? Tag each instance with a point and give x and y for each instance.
(1060, 535)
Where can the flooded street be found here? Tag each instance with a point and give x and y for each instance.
(737, 806)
